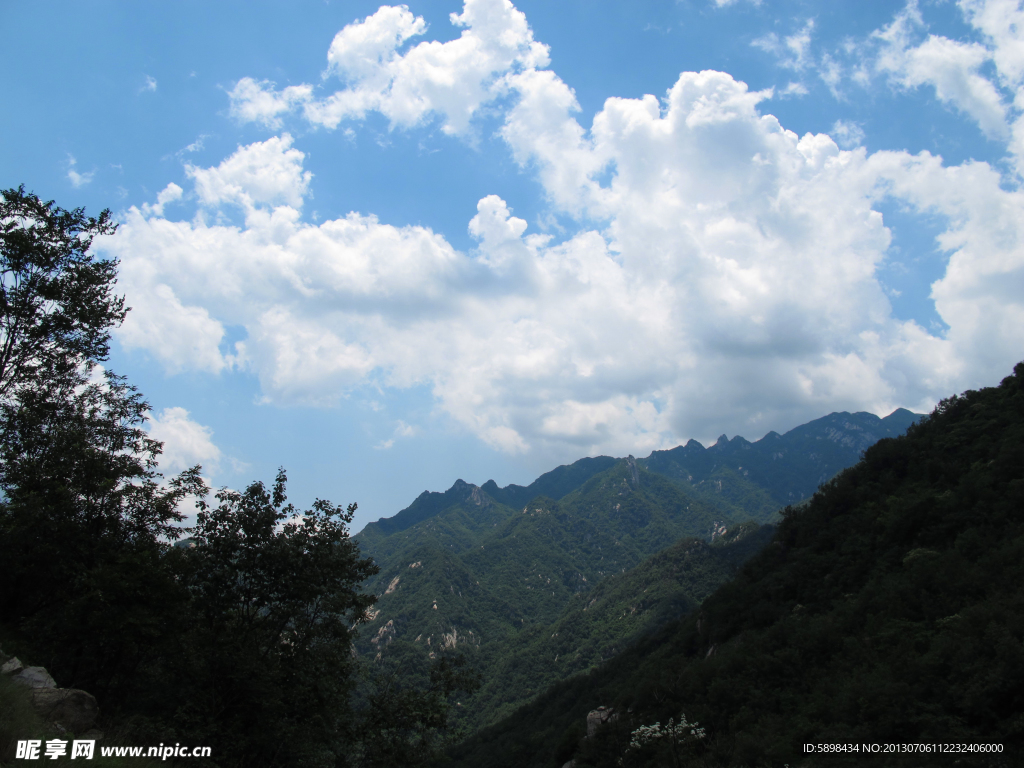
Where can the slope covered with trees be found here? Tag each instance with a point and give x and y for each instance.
(887, 610)
(466, 569)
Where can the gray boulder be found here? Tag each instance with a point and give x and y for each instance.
(598, 717)
(35, 677)
(10, 666)
(71, 709)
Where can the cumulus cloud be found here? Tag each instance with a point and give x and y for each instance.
(259, 102)
(169, 194)
(451, 80)
(186, 442)
(722, 274)
(268, 172)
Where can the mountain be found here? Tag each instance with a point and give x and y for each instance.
(753, 479)
(761, 477)
(485, 571)
(619, 610)
(496, 570)
(887, 610)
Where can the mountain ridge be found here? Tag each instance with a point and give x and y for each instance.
(850, 434)
(478, 569)
(887, 609)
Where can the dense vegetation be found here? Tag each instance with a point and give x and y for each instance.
(607, 619)
(511, 585)
(887, 610)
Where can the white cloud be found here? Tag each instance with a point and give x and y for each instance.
(794, 89)
(258, 102)
(169, 194)
(951, 67)
(793, 51)
(1001, 22)
(150, 84)
(451, 79)
(401, 430)
(186, 442)
(729, 283)
(847, 134)
(268, 172)
(195, 146)
(78, 179)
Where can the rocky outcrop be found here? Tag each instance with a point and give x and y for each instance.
(70, 710)
(34, 677)
(598, 717)
(73, 710)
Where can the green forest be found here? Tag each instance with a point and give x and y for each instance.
(854, 581)
(886, 610)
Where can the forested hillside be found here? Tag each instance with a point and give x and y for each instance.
(484, 571)
(887, 610)
(507, 574)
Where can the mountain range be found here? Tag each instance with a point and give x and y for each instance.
(886, 611)
(544, 581)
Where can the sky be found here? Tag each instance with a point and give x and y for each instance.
(386, 247)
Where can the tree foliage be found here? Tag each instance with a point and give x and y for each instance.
(81, 505)
(57, 302)
(274, 601)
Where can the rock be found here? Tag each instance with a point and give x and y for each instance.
(35, 677)
(598, 717)
(11, 666)
(69, 708)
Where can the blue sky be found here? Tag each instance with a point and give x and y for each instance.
(390, 246)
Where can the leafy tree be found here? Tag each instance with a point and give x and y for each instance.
(267, 671)
(82, 515)
(57, 303)
(405, 724)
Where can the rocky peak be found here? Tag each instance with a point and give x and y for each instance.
(634, 472)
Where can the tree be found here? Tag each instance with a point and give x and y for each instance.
(57, 303)
(275, 599)
(84, 525)
(83, 518)
(404, 723)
